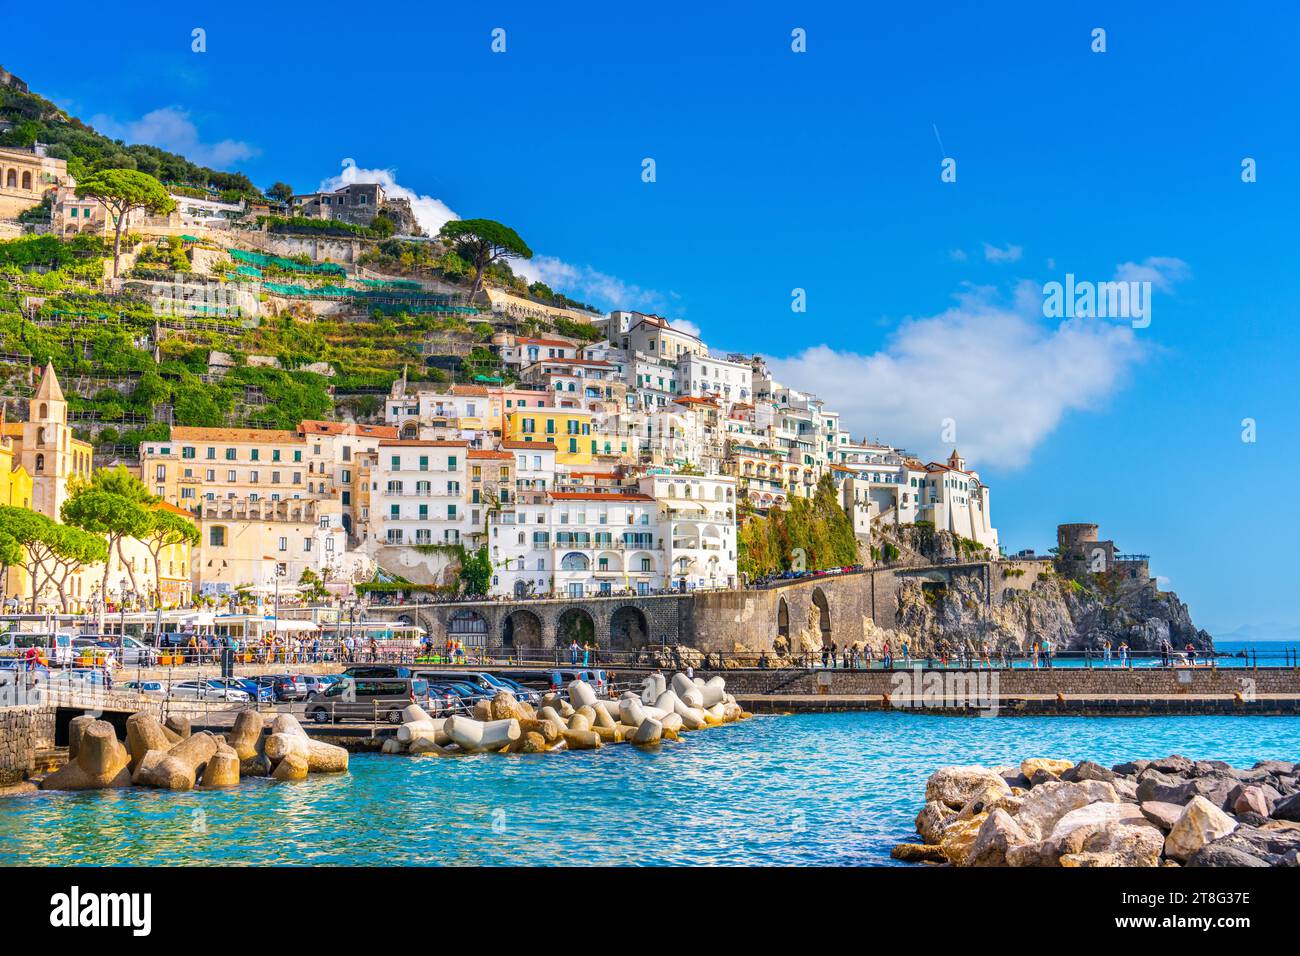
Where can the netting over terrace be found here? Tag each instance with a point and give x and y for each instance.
(262, 261)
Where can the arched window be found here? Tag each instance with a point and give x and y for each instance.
(11, 179)
(27, 181)
(40, 462)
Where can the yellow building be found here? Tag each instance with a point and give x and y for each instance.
(46, 449)
(569, 429)
(15, 490)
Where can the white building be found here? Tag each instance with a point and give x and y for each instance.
(698, 519)
(418, 493)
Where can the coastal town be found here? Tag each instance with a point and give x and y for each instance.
(302, 491)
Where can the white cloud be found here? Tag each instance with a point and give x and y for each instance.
(957, 255)
(172, 129)
(1001, 372)
(430, 213)
(582, 283)
(589, 285)
(1000, 255)
(1161, 271)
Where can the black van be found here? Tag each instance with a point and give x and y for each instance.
(367, 698)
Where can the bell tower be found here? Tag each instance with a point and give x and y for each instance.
(47, 445)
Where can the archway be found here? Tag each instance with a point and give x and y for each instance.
(628, 629)
(823, 615)
(782, 619)
(575, 624)
(521, 629)
(468, 626)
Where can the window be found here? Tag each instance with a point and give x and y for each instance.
(187, 492)
(424, 462)
(252, 455)
(212, 453)
(451, 512)
(187, 451)
(451, 462)
(395, 462)
(217, 536)
(231, 454)
(284, 544)
(160, 473)
(306, 544)
(230, 476)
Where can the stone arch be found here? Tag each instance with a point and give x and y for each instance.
(11, 179)
(411, 430)
(575, 561)
(521, 628)
(628, 628)
(823, 615)
(575, 624)
(782, 619)
(27, 181)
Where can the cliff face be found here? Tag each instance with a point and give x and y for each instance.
(1070, 615)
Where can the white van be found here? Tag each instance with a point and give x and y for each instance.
(57, 647)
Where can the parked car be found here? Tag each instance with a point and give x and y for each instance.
(561, 677)
(490, 683)
(262, 693)
(128, 651)
(150, 688)
(367, 698)
(211, 689)
(57, 647)
(285, 687)
(378, 670)
(534, 679)
(317, 683)
(457, 696)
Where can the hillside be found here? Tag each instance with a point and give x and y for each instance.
(251, 324)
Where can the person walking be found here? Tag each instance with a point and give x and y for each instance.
(907, 653)
(573, 652)
(1164, 652)
(886, 656)
(1105, 652)
(1047, 652)
(1034, 649)
(1123, 654)
(834, 655)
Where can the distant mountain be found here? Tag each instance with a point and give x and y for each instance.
(1260, 632)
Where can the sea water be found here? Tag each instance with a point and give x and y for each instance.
(836, 789)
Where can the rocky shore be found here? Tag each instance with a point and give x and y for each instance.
(1168, 812)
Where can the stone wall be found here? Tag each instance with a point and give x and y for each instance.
(1116, 681)
(23, 731)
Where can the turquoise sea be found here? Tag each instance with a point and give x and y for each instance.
(835, 789)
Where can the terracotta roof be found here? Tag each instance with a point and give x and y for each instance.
(534, 445)
(561, 342)
(348, 428)
(695, 400)
(596, 496)
(268, 435)
(475, 390)
(490, 453)
(168, 506)
(422, 443)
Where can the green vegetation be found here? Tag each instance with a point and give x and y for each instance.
(482, 242)
(86, 151)
(123, 191)
(380, 228)
(817, 528)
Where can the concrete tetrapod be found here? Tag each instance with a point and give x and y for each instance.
(144, 733)
(475, 736)
(179, 767)
(222, 770)
(249, 744)
(101, 762)
(648, 733)
(76, 727)
(581, 694)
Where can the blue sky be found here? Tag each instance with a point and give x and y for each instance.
(820, 171)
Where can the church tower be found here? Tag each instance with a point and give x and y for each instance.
(956, 461)
(47, 449)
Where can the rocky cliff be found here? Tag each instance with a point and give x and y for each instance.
(1072, 615)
